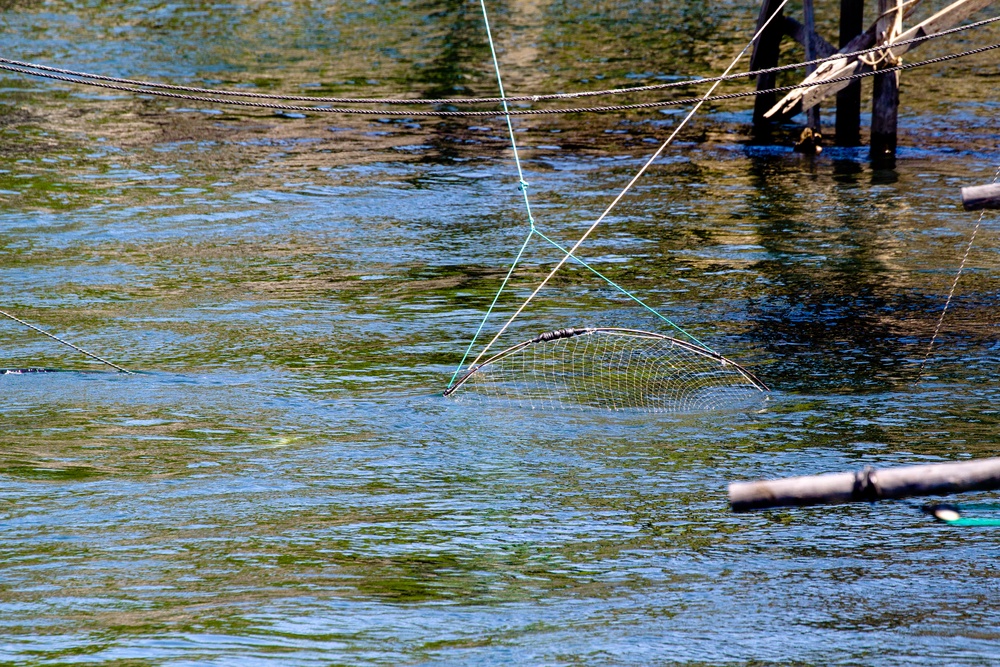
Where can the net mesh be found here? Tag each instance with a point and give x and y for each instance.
(617, 369)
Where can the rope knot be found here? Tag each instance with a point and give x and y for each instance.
(522, 185)
(866, 486)
(885, 57)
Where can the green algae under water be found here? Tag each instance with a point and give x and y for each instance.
(284, 484)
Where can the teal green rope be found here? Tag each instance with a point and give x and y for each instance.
(523, 187)
(972, 520)
(622, 289)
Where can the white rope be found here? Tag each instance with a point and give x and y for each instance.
(66, 343)
(954, 282)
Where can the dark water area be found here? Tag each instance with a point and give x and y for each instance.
(281, 481)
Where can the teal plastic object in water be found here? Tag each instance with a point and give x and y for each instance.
(955, 515)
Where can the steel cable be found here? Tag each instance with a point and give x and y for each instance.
(464, 100)
(512, 112)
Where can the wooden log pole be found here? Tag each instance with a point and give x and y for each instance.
(867, 485)
(765, 55)
(978, 197)
(848, 123)
(885, 89)
(813, 121)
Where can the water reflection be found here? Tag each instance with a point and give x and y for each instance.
(284, 484)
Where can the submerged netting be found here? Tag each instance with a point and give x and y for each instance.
(610, 368)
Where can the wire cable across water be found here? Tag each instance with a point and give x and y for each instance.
(42, 71)
(513, 112)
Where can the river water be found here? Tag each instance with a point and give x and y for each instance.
(281, 482)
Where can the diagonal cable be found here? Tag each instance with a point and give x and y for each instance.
(628, 187)
(954, 282)
(64, 342)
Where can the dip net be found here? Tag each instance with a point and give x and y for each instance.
(610, 368)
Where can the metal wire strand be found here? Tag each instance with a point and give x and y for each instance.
(512, 112)
(64, 342)
(954, 283)
(478, 100)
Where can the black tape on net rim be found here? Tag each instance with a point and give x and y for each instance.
(610, 368)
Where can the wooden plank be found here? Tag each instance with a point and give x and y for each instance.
(867, 485)
(978, 197)
(801, 99)
(947, 18)
(791, 103)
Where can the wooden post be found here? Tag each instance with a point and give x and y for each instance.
(809, 18)
(849, 99)
(765, 55)
(803, 98)
(978, 197)
(867, 485)
(885, 94)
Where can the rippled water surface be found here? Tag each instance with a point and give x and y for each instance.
(282, 483)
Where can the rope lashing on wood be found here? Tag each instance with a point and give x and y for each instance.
(463, 100)
(64, 342)
(885, 55)
(867, 485)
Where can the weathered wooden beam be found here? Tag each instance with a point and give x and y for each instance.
(885, 89)
(848, 123)
(765, 55)
(802, 98)
(867, 485)
(792, 103)
(978, 197)
(947, 18)
(797, 32)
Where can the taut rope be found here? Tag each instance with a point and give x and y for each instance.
(66, 343)
(954, 282)
(570, 253)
